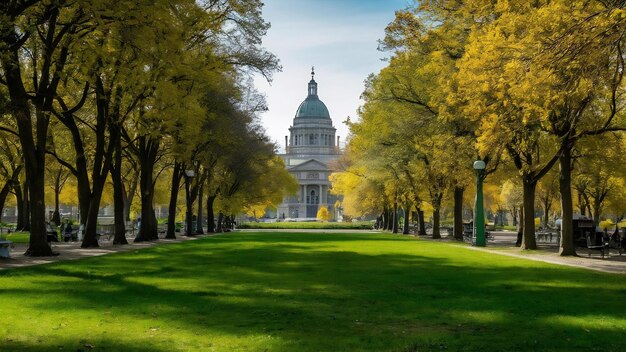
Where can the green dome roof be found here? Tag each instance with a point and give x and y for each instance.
(312, 106)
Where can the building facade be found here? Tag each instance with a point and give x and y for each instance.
(310, 149)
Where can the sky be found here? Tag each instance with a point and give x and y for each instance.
(338, 37)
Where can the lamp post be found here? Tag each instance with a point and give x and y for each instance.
(189, 174)
(479, 213)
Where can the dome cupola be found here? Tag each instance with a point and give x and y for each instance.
(312, 106)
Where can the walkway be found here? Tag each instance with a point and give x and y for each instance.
(548, 252)
(72, 251)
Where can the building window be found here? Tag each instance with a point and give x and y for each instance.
(313, 198)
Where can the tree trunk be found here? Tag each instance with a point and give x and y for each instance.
(514, 215)
(188, 208)
(458, 213)
(220, 219)
(596, 213)
(210, 215)
(422, 224)
(407, 216)
(118, 190)
(581, 204)
(437, 215)
(436, 222)
(32, 131)
(394, 226)
(83, 204)
(177, 174)
(21, 208)
(38, 245)
(566, 247)
(58, 187)
(385, 218)
(129, 196)
(228, 222)
(27, 208)
(148, 151)
(529, 241)
(6, 189)
(90, 237)
(520, 230)
(546, 210)
(199, 222)
(56, 215)
(3, 196)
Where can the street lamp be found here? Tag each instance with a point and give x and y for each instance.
(189, 174)
(479, 213)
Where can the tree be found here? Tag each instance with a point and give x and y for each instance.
(547, 195)
(57, 26)
(549, 74)
(11, 167)
(323, 214)
(599, 172)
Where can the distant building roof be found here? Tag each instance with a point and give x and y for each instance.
(312, 106)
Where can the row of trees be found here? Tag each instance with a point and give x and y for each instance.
(528, 87)
(125, 93)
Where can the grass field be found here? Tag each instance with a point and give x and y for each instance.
(17, 237)
(359, 225)
(310, 292)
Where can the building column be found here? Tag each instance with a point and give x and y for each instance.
(321, 199)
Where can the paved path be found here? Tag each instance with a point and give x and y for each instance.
(548, 252)
(72, 250)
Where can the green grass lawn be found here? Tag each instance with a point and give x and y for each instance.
(17, 237)
(310, 292)
(359, 225)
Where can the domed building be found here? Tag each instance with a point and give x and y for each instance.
(309, 149)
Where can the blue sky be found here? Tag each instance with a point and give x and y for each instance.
(339, 38)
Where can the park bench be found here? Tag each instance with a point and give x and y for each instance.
(596, 242)
(105, 232)
(468, 233)
(51, 233)
(615, 242)
(547, 236)
(447, 230)
(161, 230)
(5, 245)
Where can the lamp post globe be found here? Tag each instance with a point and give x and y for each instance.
(479, 212)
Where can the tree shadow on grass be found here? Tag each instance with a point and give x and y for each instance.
(339, 298)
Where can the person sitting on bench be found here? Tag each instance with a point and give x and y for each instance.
(66, 229)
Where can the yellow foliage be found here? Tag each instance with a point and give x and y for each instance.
(607, 224)
(323, 214)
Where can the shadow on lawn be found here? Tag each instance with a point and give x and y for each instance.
(41, 345)
(314, 295)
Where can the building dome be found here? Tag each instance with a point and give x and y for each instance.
(312, 106)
